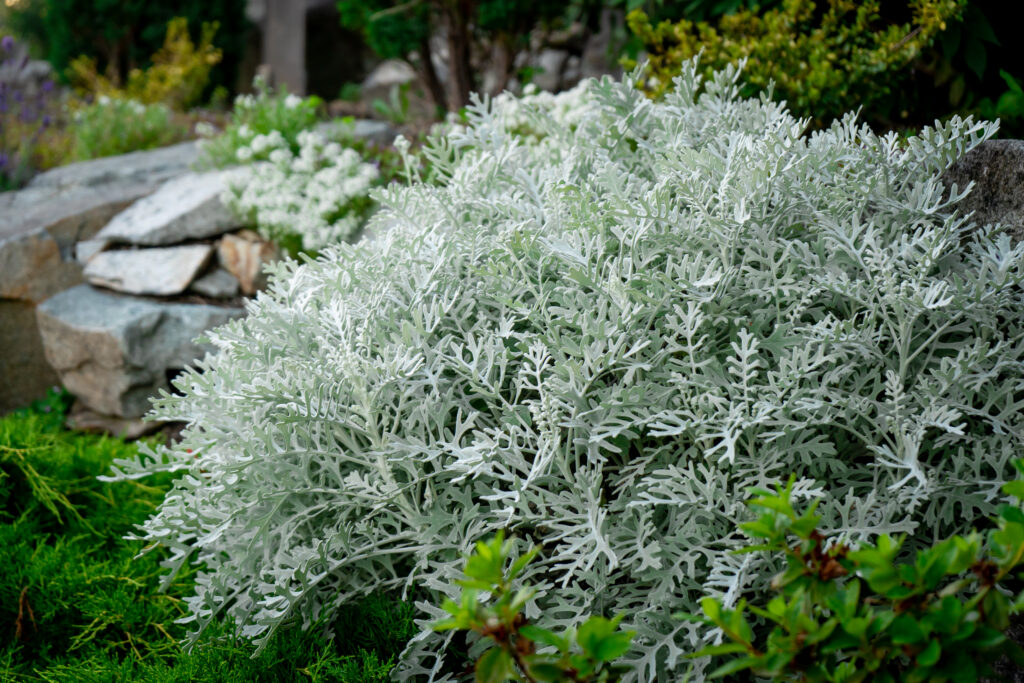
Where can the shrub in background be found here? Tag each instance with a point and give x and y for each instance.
(598, 338)
(177, 76)
(264, 113)
(112, 126)
(823, 63)
(122, 34)
(848, 614)
(304, 201)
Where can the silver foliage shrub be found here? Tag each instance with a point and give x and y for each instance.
(597, 336)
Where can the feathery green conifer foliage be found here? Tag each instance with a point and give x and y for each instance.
(76, 606)
(598, 337)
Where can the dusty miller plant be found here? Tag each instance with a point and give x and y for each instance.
(597, 338)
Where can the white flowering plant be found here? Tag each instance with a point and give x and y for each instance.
(305, 200)
(598, 342)
(263, 113)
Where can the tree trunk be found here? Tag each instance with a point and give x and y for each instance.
(504, 58)
(430, 77)
(459, 52)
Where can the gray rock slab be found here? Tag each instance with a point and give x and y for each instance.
(31, 267)
(84, 251)
(217, 284)
(152, 167)
(156, 271)
(114, 352)
(37, 243)
(24, 373)
(187, 207)
(551, 62)
(85, 420)
(997, 169)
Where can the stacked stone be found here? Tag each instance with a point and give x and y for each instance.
(109, 270)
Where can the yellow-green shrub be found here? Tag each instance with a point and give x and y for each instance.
(179, 72)
(823, 61)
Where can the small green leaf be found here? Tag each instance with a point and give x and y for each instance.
(1014, 488)
(905, 630)
(930, 655)
(614, 646)
(717, 650)
(520, 564)
(593, 633)
(543, 670)
(543, 636)
(495, 666)
(711, 608)
(1012, 513)
(732, 667)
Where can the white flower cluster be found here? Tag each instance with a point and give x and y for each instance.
(253, 101)
(319, 194)
(258, 146)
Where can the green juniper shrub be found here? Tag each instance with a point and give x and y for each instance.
(583, 654)
(865, 612)
(77, 605)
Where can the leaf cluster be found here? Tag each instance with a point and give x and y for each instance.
(844, 614)
(583, 654)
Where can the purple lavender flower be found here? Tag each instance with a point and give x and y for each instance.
(28, 106)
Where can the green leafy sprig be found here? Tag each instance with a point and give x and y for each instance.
(846, 615)
(514, 656)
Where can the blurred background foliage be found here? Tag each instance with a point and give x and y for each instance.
(902, 63)
(121, 35)
(824, 59)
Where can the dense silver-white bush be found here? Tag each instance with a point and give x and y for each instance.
(598, 337)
